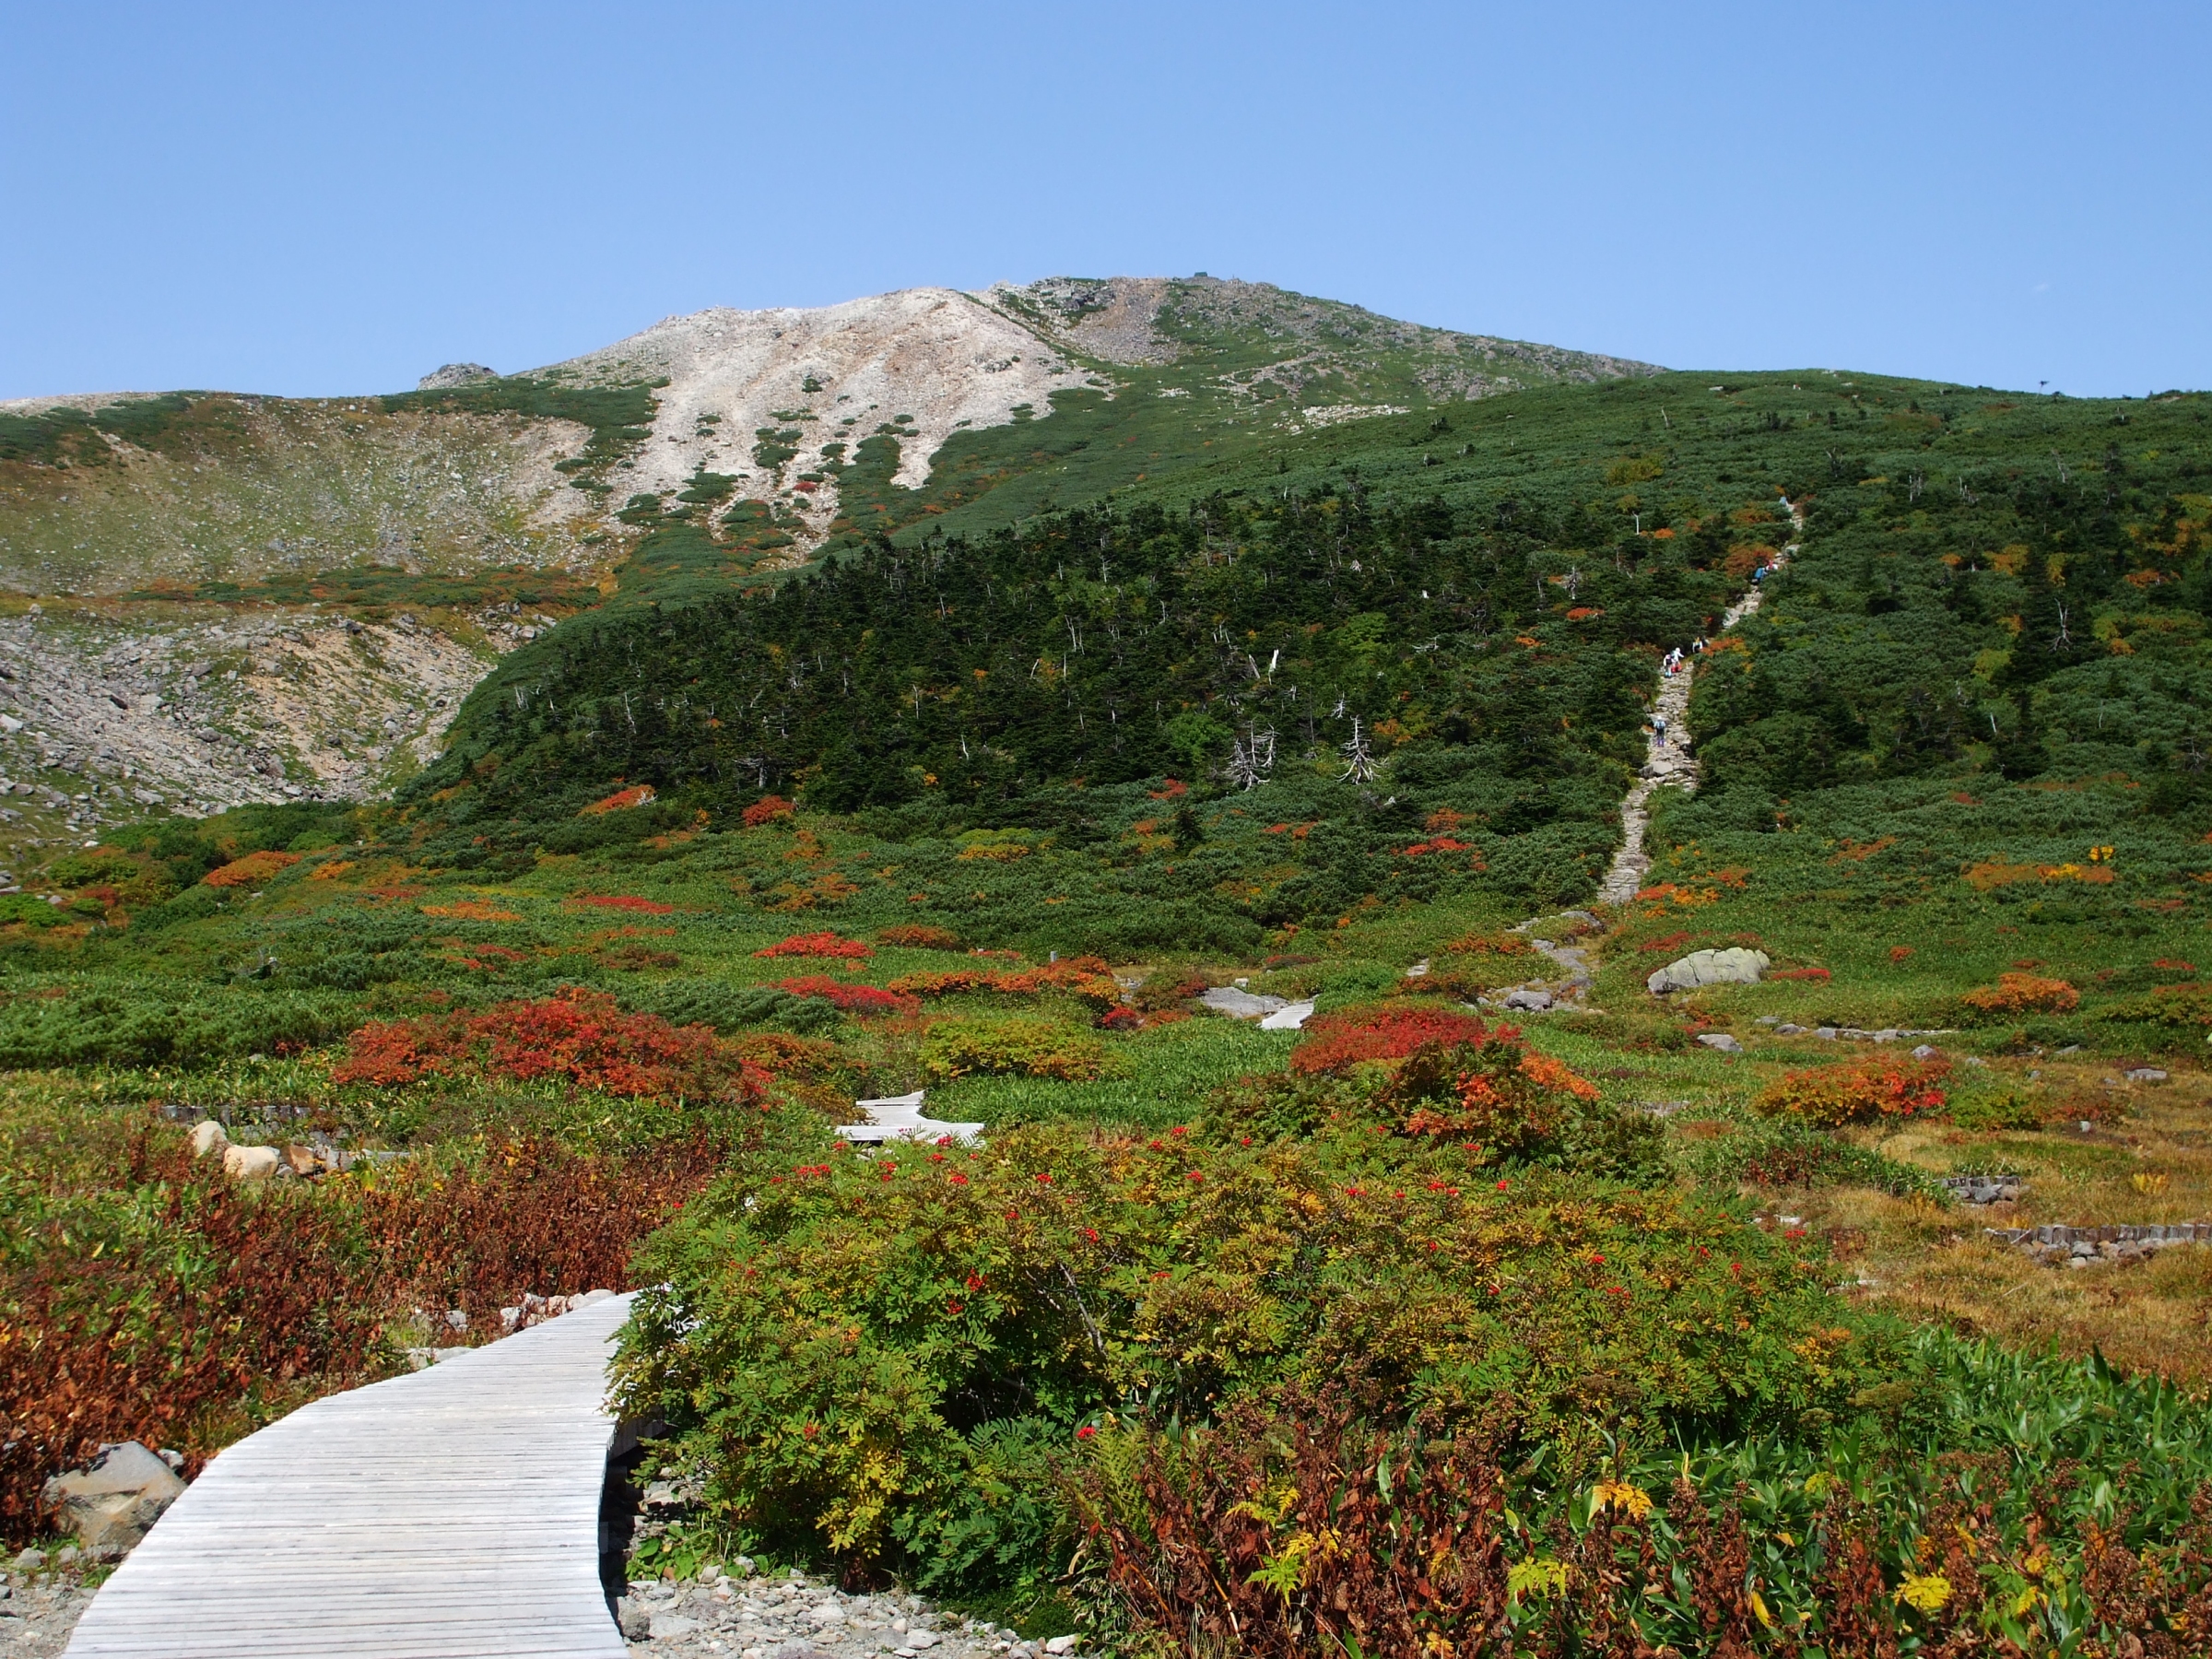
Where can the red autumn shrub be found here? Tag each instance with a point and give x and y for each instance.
(863, 1000)
(1123, 1018)
(577, 1036)
(1443, 843)
(1853, 1090)
(623, 901)
(252, 868)
(1336, 1041)
(767, 809)
(816, 944)
(1819, 975)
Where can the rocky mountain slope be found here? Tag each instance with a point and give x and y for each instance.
(213, 597)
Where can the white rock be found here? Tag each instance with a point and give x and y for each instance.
(208, 1135)
(1735, 966)
(111, 1501)
(1239, 1003)
(1063, 1644)
(251, 1163)
(668, 1626)
(1290, 1017)
(1721, 1041)
(919, 1640)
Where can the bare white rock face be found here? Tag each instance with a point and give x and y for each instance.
(941, 359)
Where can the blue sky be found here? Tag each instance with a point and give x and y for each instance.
(322, 199)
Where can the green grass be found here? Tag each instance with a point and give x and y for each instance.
(1172, 1068)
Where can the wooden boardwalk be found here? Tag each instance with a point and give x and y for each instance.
(449, 1514)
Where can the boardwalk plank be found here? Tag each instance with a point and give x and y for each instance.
(449, 1514)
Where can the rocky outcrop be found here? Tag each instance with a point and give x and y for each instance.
(202, 713)
(455, 374)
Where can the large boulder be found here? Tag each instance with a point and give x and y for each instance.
(1239, 1003)
(111, 1500)
(1735, 966)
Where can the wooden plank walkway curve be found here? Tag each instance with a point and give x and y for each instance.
(449, 1514)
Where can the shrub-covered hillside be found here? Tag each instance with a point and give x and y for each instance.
(1990, 585)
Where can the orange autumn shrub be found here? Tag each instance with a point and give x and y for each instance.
(765, 810)
(470, 910)
(817, 945)
(1086, 977)
(252, 868)
(919, 935)
(1856, 1090)
(1490, 943)
(783, 1056)
(638, 795)
(1495, 1094)
(2023, 993)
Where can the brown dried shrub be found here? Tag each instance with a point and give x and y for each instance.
(230, 1304)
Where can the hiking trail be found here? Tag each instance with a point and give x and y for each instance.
(1668, 760)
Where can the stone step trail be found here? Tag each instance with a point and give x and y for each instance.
(1669, 762)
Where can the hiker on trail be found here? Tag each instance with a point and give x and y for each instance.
(1658, 731)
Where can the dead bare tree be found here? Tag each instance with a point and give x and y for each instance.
(1361, 765)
